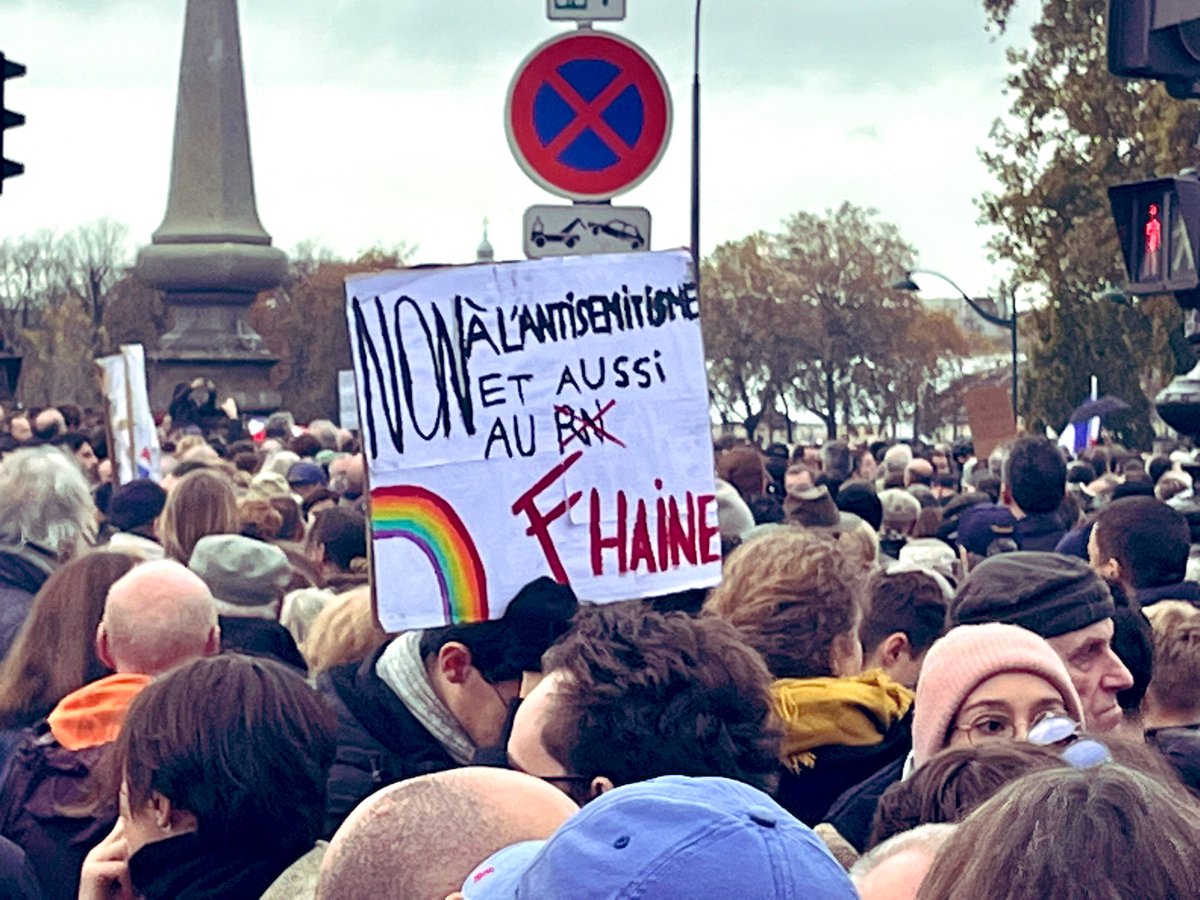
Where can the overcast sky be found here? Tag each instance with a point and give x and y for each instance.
(379, 121)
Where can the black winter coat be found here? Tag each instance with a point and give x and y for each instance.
(379, 742)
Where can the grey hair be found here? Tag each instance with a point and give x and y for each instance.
(325, 432)
(929, 837)
(45, 500)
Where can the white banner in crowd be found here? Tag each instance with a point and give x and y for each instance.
(134, 450)
(533, 418)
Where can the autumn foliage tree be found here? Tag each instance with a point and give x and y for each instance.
(806, 318)
(1072, 130)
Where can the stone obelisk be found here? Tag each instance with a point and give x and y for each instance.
(211, 255)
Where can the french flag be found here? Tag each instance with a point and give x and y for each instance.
(1078, 436)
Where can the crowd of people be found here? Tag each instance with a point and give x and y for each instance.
(922, 674)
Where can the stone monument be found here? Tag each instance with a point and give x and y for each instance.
(211, 255)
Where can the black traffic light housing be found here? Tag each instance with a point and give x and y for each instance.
(1158, 225)
(1157, 39)
(8, 118)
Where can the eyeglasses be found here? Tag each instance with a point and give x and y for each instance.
(993, 727)
(1077, 751)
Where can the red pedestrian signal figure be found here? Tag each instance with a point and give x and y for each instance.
(1151, 267)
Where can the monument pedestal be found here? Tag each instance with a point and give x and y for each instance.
(247, 378)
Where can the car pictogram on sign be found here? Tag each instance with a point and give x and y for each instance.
(621, 230)
(588, 115)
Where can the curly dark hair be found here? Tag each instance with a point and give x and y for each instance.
(791, 594)
(645, 694)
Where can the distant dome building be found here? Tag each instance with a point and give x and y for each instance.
(484, 252)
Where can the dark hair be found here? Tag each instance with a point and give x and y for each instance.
(859, 497)
(242, 743)
(647, 694)
(73, 441)
(343, 534)
(320, 495)
(1148, 539)
(501, 649)
(1133, 644)
(1158, 465)
(767, 509)
(72, 415)
(1107, 831)
(743, 468)
(1036, 474)
(909, 602)
(952, 783)
(54, 652)
(1080, 472)
(836, 461)
(305, 446)
(291, 528)
(245, 461)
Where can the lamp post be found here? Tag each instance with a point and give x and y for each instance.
(1009, 322)
(696, 144)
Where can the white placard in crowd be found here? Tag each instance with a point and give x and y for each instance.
(534, 418)
(347, 405)
(134, 450)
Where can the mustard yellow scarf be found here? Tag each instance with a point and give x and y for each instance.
(823, 712)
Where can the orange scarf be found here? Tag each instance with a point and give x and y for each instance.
(93, 715)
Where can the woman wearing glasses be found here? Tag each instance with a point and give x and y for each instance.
(984, 684)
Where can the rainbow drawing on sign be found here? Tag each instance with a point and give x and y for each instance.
(427, 520)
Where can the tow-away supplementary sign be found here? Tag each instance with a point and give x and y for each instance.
(588, 115)
(581, 228)
(585, 10)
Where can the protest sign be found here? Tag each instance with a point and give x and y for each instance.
(134, 446)
(547, 417)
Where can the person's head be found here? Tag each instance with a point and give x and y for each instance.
(836, 461)
(49, 424)
(54, 652)
(421, 838)
(234, 748)
(895, 869)
(1035, 476)
(476, 669)
(246, 577)
(859, 497)
(798, 477)
(1173, 697)
(306, 446)
(905, 614)
(953, 783)
(1107, 831)
(346, 475)
(743, 468)
(795, 600)
(1063, 600)
(631, 694)
(306, 477)
(669, 837)
(1173, 483)
(897, 457)
(156, 616)
(338, 537)
(20, 429)
(345, 631)
(1140, 542)
(900, 511)
(45, 501)
(200, 503)
(79, 445)
(987, 683)
(325, 432)
(279, 425)
(919, 471)
(136, 505)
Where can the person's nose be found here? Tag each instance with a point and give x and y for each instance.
(1116, 677)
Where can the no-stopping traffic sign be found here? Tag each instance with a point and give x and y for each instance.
(588, 115)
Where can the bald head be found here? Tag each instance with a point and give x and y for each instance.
(156, 616)
(918, 471)
(49, 424)
(421, 838)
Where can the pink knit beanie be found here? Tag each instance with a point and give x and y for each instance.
(966, 657)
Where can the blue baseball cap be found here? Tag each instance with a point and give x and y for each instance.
(669, 837)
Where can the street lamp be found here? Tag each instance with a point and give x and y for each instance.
(1009, 322)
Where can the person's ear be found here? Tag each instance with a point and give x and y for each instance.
(213, 645)
(1110, 570)
(102, 652)
(893, 645)
(454, 662)
(601, 784)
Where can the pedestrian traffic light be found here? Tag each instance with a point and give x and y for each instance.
(1158, 224)
(1157, 39)
(8, 69)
